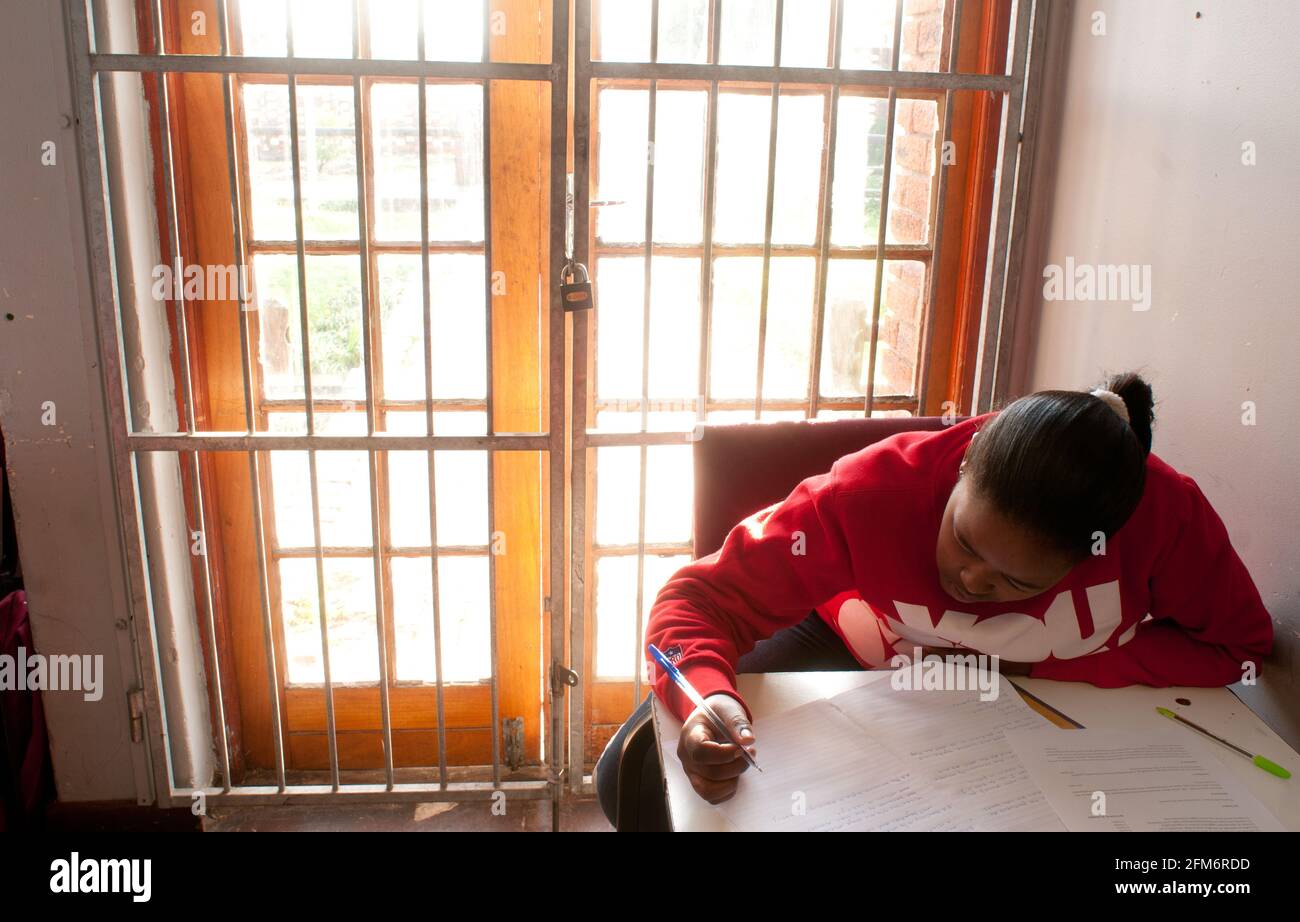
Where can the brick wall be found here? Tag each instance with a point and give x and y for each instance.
(916, 124)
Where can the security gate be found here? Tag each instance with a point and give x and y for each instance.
(356, 448)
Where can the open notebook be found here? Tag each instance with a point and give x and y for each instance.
(876, 758)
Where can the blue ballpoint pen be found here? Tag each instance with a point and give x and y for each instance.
(698, 701)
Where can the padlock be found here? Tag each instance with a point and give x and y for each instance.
(576, 292)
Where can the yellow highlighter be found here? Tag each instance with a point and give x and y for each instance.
(1271, 767)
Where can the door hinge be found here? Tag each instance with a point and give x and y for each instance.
(135, 705)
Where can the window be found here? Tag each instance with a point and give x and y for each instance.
(339, 380)
(423, 501)
(780, 286)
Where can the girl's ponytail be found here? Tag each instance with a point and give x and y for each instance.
(1069, 465)
(1136, 394)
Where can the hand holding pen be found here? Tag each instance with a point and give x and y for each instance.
(714, 746)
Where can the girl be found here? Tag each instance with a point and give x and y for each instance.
(1046, 534)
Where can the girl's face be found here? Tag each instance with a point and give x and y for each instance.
(983, 557)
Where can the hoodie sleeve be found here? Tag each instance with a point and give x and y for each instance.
(772, 570)
(1207, 619)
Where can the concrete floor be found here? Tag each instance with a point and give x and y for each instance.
(526, 816)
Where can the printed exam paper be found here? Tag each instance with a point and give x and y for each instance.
(877, 758)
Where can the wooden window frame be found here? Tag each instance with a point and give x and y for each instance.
(519, 340)
(959, 280)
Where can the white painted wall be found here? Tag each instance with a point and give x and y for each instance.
(1148, 170)
(61, 475)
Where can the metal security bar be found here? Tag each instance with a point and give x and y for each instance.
(569, 671)
(779, 81)
(92, 67)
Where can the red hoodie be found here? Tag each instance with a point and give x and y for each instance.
(1169, 603)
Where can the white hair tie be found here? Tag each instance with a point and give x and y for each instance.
(1114, 401)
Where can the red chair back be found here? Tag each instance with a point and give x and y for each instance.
(740, 469)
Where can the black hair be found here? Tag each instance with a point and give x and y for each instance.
(1064, 464)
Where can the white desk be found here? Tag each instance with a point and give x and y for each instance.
(1132, 708)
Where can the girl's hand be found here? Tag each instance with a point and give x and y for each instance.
(712, 762)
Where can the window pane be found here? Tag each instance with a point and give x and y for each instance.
(684, 31)
(740, 209)
(674, 327)
(868, 34)
(737, 295)
(621, 30)
(620, 281)
(343, 482)
(350, 602)
(327, 150)
(452, 31)
(291, 490)
(748, 31)
(334, 316)
(679, 166)
(617, 655)
(463, 615)
(279, 345)
(321, 28)
(671, 415)
(266, 121)
(670, 481)
(461, 483)
(850, 285)
(733, 337)
(799, 140)
(789, 327)
(747, 416)
(327, 146)
(351, 420)
(805, 34)
(621, 164)
(455, 149)
(922, 38)
(408, 498)
(445, 422)
(456, 300)
(393, 26)
(300, 611)
(261, 28)
(859, 170)
(289, 423)
(900, 327)
(916, 125)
